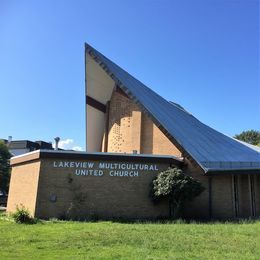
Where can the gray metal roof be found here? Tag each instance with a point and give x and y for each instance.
(211, 149)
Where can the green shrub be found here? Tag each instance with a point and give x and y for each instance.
(22, 216)
(178, 188)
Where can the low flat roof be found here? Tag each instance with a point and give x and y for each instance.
(74, 155)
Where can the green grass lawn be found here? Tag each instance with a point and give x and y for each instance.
(108, 240)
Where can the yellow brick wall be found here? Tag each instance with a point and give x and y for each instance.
(23, 187)
(162, 145)
(34, 183)
(105, 196)
(147, 135)
(121, 124)
(130, 129)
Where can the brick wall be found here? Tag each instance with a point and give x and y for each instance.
(244, 196)
(48, 191)
(24, 186)
(129, 129)
(121, 124)
(105, 197)
(222, 197)
(199, 207)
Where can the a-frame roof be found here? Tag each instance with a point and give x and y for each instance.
(212, 150)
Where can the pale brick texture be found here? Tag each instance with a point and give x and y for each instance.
(130, 129)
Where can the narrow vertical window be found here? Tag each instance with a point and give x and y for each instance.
(235, 189)
(252, 194)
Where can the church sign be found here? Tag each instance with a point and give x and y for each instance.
(97, 168)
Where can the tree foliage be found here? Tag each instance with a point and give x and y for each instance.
(250, 136)
(177, 187)
(4, 167)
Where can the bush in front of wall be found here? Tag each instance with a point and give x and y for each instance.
(178, 188)
(23, 216)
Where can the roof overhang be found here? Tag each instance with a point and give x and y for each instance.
(218, 172)
(75, 155)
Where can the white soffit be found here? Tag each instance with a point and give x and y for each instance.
(99, 85)
(95, 129)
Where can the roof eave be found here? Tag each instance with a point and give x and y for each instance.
(233, 171)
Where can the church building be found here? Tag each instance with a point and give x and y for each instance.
(132, 134)
(125, 116)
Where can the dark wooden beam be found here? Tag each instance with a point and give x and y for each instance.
(96, 104)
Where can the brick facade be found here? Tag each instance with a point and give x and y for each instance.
(58, 192)
(49, 191)
(24, 186)
(129, 129)
(70, 192)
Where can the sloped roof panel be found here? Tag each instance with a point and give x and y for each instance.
(208, 147)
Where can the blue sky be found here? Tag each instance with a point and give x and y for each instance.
(203, 54)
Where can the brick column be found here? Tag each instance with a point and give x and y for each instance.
(136, 130)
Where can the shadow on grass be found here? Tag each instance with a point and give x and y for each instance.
(157, 221)
(188, 221)
(96, 219)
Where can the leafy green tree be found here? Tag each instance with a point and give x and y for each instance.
(250, 136)
(178, 188)
(4, 167)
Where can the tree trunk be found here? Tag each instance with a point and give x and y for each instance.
(171, 209)
(177, 210)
